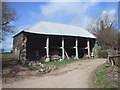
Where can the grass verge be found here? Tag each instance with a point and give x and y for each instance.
(57, 63)
(62, 63)
(68, 61)
(101, 79)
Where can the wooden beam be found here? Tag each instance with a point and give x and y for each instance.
(47, 47)
(66, 54)
(76, 47)
(63, 50)
(88, 47)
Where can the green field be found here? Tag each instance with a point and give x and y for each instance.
(6, 55)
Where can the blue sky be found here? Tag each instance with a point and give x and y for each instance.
(73, 13)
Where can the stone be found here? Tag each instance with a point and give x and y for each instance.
(47, 59)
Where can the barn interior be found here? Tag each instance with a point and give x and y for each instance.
(36, 46)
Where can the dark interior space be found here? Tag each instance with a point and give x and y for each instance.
(82, 43)
(36, 44)
(92, 43)
(55, 44)
(69, 44)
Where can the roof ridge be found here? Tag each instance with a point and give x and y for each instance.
(53, 28)
(62, 23)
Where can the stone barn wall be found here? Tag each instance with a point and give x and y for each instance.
(19, 47)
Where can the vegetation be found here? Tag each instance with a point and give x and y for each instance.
(101, 81)
(104, 27)
(8, 15)
(62, 63)
(102, 54)
(67, 61)
(6, 55)
(32, 67)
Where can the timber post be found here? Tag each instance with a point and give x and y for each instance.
(76, 47)
(88, 47)
(63, 50)
(47, 49)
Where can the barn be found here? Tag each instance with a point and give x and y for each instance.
(45, 41)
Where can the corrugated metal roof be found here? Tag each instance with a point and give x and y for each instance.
(50, 28)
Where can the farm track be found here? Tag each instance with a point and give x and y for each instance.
(74, 75)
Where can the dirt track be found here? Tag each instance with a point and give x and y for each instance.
(75, 75)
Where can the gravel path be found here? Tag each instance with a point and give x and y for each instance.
(75, 75)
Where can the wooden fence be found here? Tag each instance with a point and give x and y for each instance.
(114, 60)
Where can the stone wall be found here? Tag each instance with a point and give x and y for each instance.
(19, 47)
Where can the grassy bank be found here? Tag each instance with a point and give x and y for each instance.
(57, 64)
(101, 81)
(65, 62)
(62, 63)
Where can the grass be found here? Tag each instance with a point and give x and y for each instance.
(32, 67)
(68, 61)
(57, 64)
(62, 63)
(101, 81)
(6, 55)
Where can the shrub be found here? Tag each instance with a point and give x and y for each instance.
(112, 52)
(102, 54)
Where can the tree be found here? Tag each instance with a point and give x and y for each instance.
(8, 15)
(119, 41)
(103, 28)
(2, 50)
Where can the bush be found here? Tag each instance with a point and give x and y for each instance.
(102, 54)
(112, 52)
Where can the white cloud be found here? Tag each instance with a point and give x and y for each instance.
(65, 12)
(111, 14)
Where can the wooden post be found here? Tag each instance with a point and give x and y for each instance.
(76, 47)
(66, 54)
(88, 47)
(63, 51)
(47, 47)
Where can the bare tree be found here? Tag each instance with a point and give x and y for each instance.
(119, 41)
(8, 15)
(108, 38)
(103, 28)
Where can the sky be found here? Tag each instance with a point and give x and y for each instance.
(73, 13)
